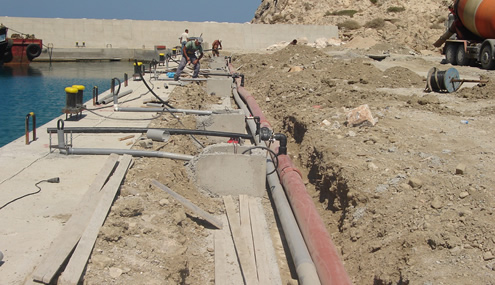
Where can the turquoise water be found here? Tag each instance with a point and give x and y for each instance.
(40, 88)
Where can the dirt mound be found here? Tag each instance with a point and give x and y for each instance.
(410, 24)
(407, 200)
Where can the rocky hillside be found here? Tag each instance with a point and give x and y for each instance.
(413, 24)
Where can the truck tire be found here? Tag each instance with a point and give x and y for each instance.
(461, 56)
(8, 56)
(486, 57)
(33, 51)
(450, 54)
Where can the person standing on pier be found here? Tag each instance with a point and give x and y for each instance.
(217, 44)
(184, 38)
(189, 56)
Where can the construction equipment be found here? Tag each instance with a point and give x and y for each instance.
(470, 35)
(447, 81)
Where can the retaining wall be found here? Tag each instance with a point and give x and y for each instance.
(138, 34)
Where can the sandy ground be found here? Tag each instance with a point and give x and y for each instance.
(408, 199)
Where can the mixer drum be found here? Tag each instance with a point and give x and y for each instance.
(478, 16)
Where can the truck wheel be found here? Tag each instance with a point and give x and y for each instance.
(450, 54)
(486, 57)
(461, 56)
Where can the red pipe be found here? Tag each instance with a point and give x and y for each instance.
(328, 265)
(320, 246)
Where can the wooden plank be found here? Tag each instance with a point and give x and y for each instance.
(126, 138)
(212, 220)
(65, 242)
(260, 249)
(73, 272)
(227, 269)
(248, 269)
(246, 225)
(220, 259)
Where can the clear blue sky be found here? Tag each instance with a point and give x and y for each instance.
(233, 11)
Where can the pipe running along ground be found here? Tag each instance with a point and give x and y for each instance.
(157, 110)
(125, 130)
(133, 152)
(321, 248)
(305, 268)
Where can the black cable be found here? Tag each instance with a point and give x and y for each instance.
(51, 180)
(157, 97)
(176, 61)
(165, 108)
(118, 90)
(265, 148)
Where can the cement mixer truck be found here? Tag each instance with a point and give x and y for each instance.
(470, 35)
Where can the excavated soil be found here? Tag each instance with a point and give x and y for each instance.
(407, 198)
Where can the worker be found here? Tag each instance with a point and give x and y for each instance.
(217, 44)
(184, 38)
(189, 56)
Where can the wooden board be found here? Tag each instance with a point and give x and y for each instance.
(227, 269)
(189, 205)
(65, 242)
(243, 254)
(220, 259)
(246, 225)
(73, 272)
(260, 249)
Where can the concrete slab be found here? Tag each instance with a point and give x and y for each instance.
(230, 173)
(221, 87)
(218, 63)
(233, 122)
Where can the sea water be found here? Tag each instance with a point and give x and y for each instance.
(40, 88)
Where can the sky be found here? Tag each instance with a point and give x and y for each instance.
(232, 11)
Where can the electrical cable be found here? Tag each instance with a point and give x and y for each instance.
(120, 83)
(157, 97)
(51, 180)
(170, 58)
(267, 149)
(165, 108)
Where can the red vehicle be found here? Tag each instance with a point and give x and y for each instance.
(18, 49)
(470, 35)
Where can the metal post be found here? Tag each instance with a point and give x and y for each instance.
(95, 95)
(27, 126)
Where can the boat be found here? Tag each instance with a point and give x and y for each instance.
(18, 49)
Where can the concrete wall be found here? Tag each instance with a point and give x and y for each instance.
(133, 34)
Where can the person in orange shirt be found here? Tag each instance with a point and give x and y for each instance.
(217, 45)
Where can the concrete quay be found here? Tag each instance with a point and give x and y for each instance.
(31, 226)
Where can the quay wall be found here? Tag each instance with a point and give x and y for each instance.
(103, 35)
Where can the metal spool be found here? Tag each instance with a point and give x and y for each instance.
(443, 81)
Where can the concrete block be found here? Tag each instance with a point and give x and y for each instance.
(230, 174)
(221, 87)
(232, 122)
(224, 104)
(218, 63)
